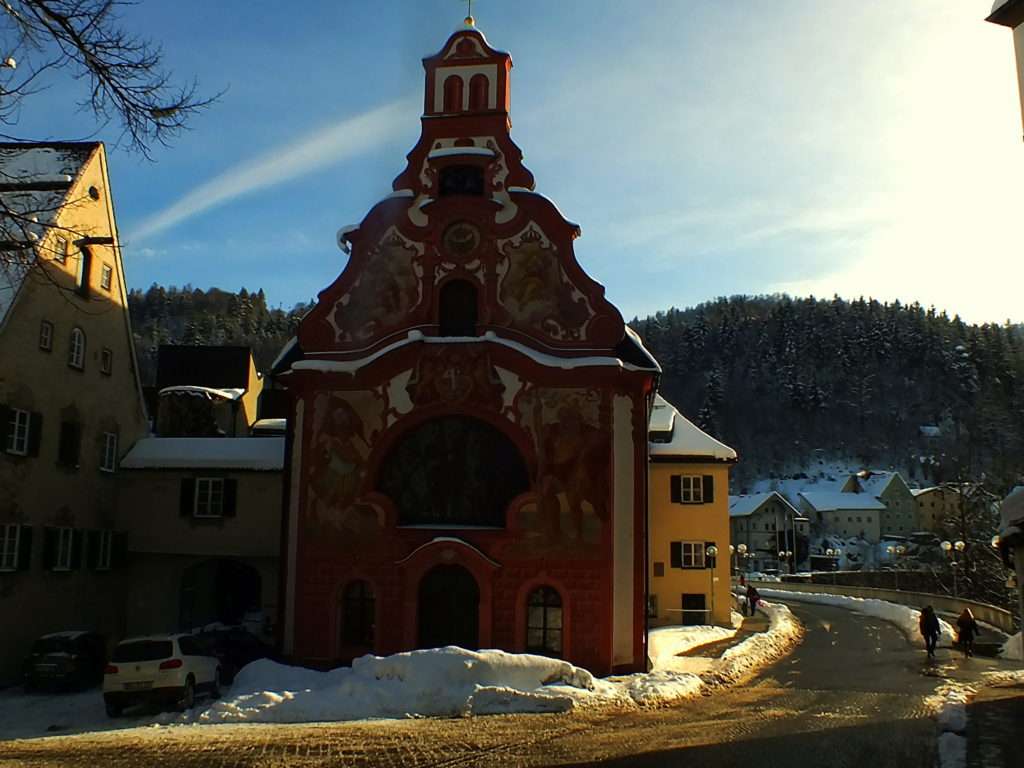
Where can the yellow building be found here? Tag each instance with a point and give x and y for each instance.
(70, 401)
(688, 498)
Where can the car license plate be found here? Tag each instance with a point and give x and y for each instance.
(138, 686)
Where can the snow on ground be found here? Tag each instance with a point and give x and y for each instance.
(439, 682)
(1011, 649)
(907, 619)
(949, 704)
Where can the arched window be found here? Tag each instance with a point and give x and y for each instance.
(461, 180)
(453, 470)
(357, 614)
(453, 94)
(478, 92)
(76, 350)
(457, 310)
(544, 622)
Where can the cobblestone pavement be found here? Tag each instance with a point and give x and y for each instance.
(852, 694)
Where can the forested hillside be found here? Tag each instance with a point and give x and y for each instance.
(191, 316)
(787, 382)
(792, 382)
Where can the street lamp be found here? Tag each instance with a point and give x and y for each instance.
(835, 554)
(732, 561)
(786, 555)
(895, 553)
(951, 550)
(712, 552)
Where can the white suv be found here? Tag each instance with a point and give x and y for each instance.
(166, 668)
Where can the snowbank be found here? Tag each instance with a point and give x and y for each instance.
(761, 649)
(949, 704)
(904, 617)
(1011, 649)
(441, 682)
(665, 643)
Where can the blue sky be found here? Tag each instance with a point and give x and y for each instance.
(706, 148)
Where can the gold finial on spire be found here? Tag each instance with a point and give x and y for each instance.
(469, 20)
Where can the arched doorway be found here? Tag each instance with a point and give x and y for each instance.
(449, 608)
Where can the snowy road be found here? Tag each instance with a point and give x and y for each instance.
(852, 694)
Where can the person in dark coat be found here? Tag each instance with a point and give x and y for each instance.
(752, 598)
(967, 629)
(930, 629)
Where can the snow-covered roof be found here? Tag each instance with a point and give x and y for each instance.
(683, 439)
(34, 182)
(929, 430)
(922, 491)
(1012, 513)
(456, 151)
(210, 393)
(875, 481)
(256, 453)
(417, 337)
(70, 634)
(746, 504)
(828, 501)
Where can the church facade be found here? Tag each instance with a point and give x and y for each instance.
(468, 439)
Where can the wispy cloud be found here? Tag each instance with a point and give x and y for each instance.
(330, 144)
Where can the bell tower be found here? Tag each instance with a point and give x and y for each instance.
(467, 77)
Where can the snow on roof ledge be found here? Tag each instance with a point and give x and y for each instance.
(686, 440)
(255, 453)
(210, 393)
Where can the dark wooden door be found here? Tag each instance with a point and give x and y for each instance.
(449, 608)
(693, 610)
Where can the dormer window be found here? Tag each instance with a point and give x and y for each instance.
(478, 93)
(457, 314)
(453, 94)
(461, 180)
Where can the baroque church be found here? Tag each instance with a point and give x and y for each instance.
(468, 440)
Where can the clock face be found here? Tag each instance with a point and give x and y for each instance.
(460, 240)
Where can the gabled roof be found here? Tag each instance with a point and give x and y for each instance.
(875, 481)
(34, 184)
(745, 505)
(673, 436)
(827, 501)
(203, 366)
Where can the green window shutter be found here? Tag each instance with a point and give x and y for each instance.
(50, 543)
(677, 489)
(187, 498)
(35, 433)
(230, 497)
(77, 548)
(709, 489)
(119, 551)
(676, 554)
(25, 548)
(92, 549)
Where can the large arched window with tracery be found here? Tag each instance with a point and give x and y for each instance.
(358, 614)
(453, 470)
(544, 622)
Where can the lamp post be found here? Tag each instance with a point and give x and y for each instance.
(786, 555)
(712, 553)
(895, 553)
(732, 562)
(952, 549)
(834, 554)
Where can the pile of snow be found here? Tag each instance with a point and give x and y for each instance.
(1011, 649)
(763, 648)
(439, 682)
(664, 644)
(949, 704)
(904, 617)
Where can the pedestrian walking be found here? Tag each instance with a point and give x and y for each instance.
(930, 629)
(743, 580)
(752, 598)
(967, 628)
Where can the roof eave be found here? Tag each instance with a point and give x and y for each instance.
(1011, 14)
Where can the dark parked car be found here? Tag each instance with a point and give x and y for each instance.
(235, 647)
(66, 660)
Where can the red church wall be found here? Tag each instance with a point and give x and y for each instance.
(399, 422)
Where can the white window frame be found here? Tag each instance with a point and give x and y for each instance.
(108, 462)
(46, 336)
(10, 541)
(106, 544)
(106, 277)
(209, 489)
(65, 544)
(691, 550)
(18, 432)
(691, 489)
(76, 350)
